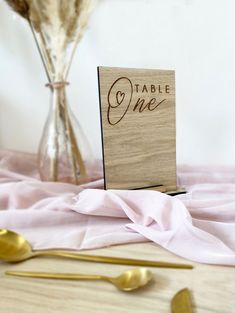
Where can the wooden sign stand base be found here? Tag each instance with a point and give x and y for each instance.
(163, 189)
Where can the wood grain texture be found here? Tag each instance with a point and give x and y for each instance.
(212, 287)
(138, 126)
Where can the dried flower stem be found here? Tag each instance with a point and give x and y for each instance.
(48, 69)
(41, 53)
(83, 21)
(73, 146)
(55, 149)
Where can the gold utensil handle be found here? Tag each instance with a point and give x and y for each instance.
(55, 275)
(113, 260)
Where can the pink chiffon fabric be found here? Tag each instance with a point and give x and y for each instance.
(198, 226)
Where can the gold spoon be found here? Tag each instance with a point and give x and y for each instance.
(127, 281)
(14, 248)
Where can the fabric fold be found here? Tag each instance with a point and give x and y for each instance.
(199, 225)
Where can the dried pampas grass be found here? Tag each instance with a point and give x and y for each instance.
(55, 25)
(19, 6)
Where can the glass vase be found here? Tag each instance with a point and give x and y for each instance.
(64, 152)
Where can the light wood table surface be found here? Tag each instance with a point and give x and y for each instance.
(213, 287)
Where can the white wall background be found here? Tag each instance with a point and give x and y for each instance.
(194, 37)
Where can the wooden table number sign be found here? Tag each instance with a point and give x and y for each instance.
(137, 109)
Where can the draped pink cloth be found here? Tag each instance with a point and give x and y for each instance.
(199, 225)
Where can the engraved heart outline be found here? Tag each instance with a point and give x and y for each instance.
(120, 96)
